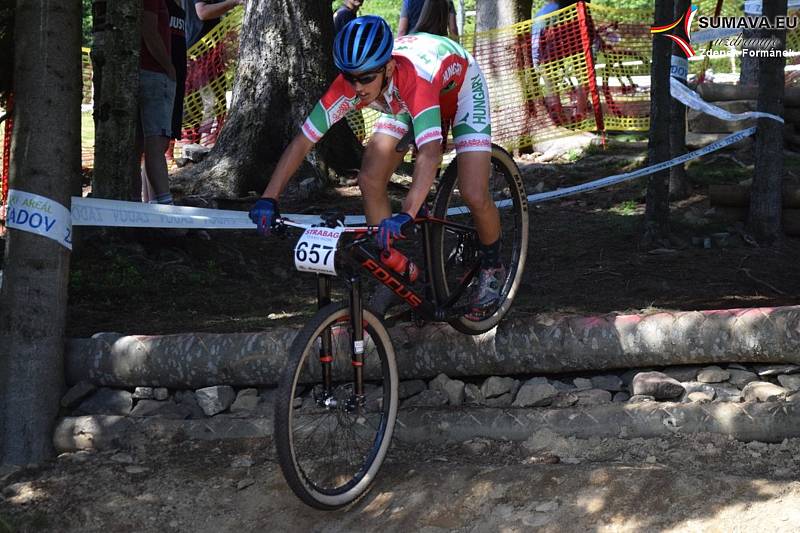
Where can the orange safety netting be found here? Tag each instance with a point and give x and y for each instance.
(209, 80)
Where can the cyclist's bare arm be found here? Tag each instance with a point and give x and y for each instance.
(429, 157)
(290, 161)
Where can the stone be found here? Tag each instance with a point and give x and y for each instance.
(195, 152)
(682, 373)
(725, 392)
(107, 402)
(774, 370)
(244, 483)
(593, 397)
(621, 396)
(452, 388)
(410, 388)
(565, 399)
(188, 400)
(160, 393)
(143, 393)
(713, 374)
(582, 383)
(213, 400)
(790, 381)
(609, 382)
(641, 398)
(242, 461)
(762, 391)
(427, 398)
(535, 394)
(740, 377)
(561, 386)
(656, 384)
(76, 393)
(473, 394)
(497, 386)
(695, 386)
(500, 401)
(246, 401)
(699, 397)
(122, 458)
(547, 507)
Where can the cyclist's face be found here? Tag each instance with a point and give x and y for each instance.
(369, 85)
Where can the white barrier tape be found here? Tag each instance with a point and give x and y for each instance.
(705, 36)
(619, 178)
(754, 7)
(117, 213)
(691, 99)
(39, 215)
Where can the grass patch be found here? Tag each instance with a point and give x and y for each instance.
(717, 172)
(625, 209)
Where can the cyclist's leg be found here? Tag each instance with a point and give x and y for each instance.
(472, 132)
(380, 160)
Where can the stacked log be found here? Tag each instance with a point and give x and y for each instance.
(732, 201)
(739, 99)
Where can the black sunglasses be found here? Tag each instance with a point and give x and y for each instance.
(363, 79)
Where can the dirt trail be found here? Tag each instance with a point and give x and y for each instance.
(697, 483)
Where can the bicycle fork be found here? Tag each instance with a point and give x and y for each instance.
(356, 346)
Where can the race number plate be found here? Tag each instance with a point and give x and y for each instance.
(316, 250)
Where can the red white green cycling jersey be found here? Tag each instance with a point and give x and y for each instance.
(435, 81)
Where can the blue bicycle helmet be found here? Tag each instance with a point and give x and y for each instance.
(364, 44)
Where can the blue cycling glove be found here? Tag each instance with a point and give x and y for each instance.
(264, 214)
(392, 228)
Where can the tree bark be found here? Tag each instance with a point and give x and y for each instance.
(284, 68)
(764, 220)
(749, 73)
(547, 343)
(679, 186)
(492, 15)
(115, 67)
(45, 157)
(7, 45)
(656, 215)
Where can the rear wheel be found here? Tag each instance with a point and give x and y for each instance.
(456, 253)
(330, 441)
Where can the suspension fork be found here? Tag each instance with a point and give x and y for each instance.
(326, 349)
(357, 324)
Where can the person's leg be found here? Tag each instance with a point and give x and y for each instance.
(155, 163)
(473, 181)
(380, 160)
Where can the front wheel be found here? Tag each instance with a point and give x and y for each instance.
(456, 253)
(330, 441)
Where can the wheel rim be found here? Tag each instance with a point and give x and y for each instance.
(458, 258)
(335, 441)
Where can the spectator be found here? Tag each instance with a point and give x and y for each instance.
(156, 96)
(410, 15)
(177, 19)
(345, 14)
(203, 15)
(433, 18)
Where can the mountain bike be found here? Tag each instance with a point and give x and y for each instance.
(337, 399)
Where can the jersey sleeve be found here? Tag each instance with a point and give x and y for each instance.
(337, 101)
(426, 115)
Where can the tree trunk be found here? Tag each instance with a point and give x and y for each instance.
(7, 45)
(284, 68)
(656, 216)
(45, 156)
(491, 15)
(749, 73)
(115, 67)
(764, 220)
(679, 186)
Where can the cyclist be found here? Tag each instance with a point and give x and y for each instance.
(421, 81)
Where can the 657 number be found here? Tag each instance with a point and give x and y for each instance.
(313, 252)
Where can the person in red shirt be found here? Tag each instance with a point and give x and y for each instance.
(156, 97)
(419, 81)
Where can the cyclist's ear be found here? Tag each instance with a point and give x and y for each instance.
(390, 68)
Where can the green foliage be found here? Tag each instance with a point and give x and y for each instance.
(626, 208)
(86, 23)
(390, 10)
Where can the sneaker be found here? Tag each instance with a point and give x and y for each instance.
(486, 292)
